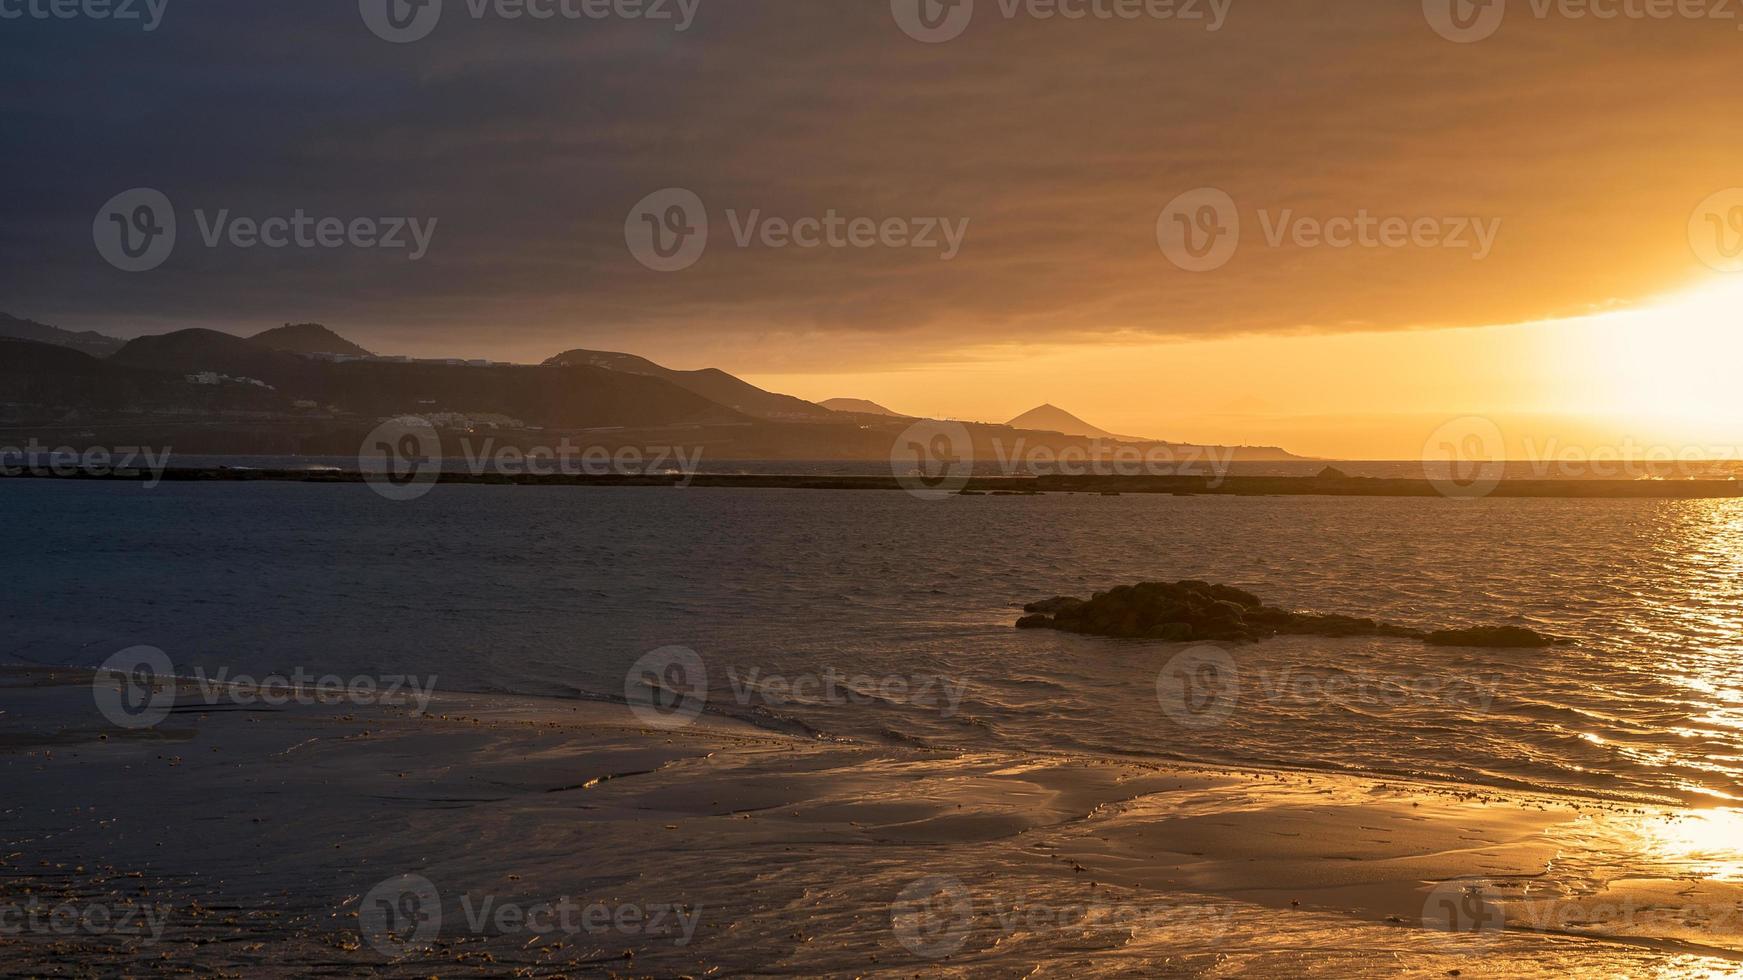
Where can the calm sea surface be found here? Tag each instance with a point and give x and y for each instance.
(908, 605)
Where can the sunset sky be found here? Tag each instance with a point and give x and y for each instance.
(1589, 149)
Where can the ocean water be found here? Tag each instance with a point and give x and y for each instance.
(907, 607)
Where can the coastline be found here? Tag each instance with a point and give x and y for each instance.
(1231, 486)
(262, 834)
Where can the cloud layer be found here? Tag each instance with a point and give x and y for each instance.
(1584, 144)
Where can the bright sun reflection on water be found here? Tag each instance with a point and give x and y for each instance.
(1708, 842)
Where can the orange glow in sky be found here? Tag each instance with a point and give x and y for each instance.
(1662, 374)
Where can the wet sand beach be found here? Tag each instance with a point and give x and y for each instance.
(560, 837)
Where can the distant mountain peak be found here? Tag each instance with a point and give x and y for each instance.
(308, 338)
(860, 406)
(1052, 418)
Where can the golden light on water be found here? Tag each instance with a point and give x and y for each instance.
(1708, 843)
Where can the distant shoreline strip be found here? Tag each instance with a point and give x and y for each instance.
(1232, 486)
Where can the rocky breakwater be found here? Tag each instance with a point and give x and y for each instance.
(1195, 611)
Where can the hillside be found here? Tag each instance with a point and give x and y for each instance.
(1050, 418)
(308, 338)
(247, 396)
(169, 372)
(711, 383)
(859, 406)
(89, 342)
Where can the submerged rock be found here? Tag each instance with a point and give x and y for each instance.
(1200, 611)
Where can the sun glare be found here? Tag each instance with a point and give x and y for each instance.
(1709, 841)
(1674, 361)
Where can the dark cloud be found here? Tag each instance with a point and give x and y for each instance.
(1060, 141)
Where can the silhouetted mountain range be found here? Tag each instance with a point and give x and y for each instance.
(304, 389)
(308, 338)
(711, 383)
(90, 342)
(1049, 418)
(859, 406)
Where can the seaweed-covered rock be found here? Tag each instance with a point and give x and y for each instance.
(1054, 606)
(1199, 611)
(1181, 611)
